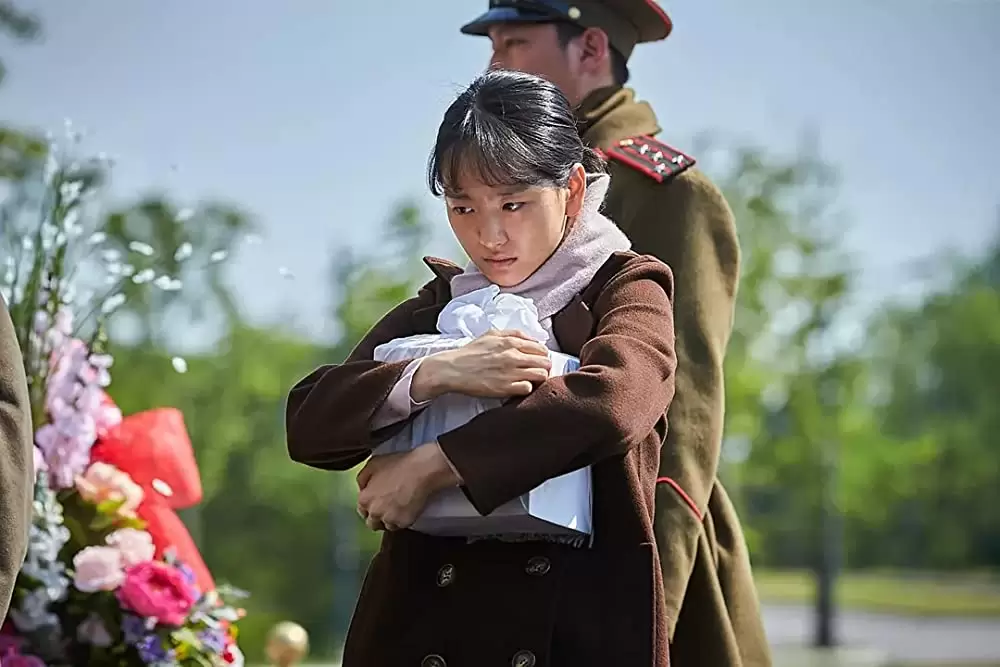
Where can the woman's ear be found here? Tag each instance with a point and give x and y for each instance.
(577, 191)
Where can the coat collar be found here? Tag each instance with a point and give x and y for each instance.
(443, 268)
(573, 325)
(609, 115)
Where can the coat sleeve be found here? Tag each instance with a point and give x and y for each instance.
(16, 460)
(329, 413)
(614, 400)
(688, 224)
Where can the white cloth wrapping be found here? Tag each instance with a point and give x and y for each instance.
(559, 507)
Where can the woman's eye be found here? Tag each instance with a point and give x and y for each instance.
(461, 210)
(513, 205)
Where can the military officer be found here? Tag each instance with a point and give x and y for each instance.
(16, 461)
(671, 210)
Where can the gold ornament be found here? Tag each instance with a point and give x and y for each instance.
(287, 644)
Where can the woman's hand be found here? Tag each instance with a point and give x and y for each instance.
(498, 364)
(393, 489)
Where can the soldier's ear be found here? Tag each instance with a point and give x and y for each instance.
(595, 48)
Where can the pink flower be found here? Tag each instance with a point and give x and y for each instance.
(9, 643)
(135, 546)
(14, 659)
(156, 590)
(103, 481)
(98, 569)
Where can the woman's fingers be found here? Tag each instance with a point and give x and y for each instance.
(522, 388)
(364, 475)
(523, 342)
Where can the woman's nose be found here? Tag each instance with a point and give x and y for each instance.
(492, 235)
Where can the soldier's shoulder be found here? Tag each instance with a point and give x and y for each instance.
(648, 156)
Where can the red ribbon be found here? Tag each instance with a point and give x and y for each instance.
(154, 448)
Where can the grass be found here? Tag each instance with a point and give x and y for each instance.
(893, 593)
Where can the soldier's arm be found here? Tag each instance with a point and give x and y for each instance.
(687, 224)
(16, 460)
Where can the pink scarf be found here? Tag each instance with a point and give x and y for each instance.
(591, 240)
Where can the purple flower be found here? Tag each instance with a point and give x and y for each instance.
(213, 640)
(134, 629)
(76, 408)
(151, 650)
(187, 572)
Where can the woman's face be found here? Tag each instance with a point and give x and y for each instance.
(509, 232)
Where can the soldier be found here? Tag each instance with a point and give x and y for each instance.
(16, 461)
(671, 210)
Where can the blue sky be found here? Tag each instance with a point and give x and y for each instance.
(317, 116)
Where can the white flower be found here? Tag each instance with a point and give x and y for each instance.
(168, 284)
(179, 364)
(92, 631)
(218, 256)
(101, 360)
(144, 276)
(70, 191)
(97, 237)
(141, 248)
(184, 251)
(98, 569)
(135, 546)
(41, 321)
(112, 303)
(71, 218)
(51, 166)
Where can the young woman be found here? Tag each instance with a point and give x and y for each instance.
(523, 197)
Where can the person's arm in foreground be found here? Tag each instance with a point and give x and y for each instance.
(16, 460)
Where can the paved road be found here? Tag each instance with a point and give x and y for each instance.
(896, 638)
(900, 638)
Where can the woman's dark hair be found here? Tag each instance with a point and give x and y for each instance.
(509, 128)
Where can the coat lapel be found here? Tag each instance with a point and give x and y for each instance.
(425, 319)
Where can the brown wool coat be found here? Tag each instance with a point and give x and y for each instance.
(712, 606)
(16, 460)
(441, 602)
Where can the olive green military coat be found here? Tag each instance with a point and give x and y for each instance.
(16, 460)
(442, 602)
(671, 210)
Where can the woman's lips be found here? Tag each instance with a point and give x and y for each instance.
(500, 263)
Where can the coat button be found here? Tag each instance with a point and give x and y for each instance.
(433, 660)
(446, 575)
(538, 566)
(523, 659)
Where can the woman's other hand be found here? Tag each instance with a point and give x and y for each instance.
(498, 364)
(394, 489)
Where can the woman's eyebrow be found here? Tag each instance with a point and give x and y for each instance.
(513, 190)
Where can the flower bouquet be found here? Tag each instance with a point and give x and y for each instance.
(111, 575)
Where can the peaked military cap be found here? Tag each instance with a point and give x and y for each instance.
(626, 22)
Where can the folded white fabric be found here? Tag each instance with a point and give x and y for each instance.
(560, 506)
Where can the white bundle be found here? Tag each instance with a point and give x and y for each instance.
(560, 506)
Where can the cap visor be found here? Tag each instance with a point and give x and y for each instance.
(481, 26)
